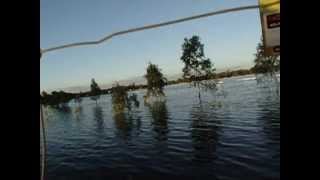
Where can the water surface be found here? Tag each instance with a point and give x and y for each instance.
(233, 136)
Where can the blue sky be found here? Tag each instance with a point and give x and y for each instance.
(230, 39)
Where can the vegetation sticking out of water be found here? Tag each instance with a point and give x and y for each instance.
(155, 84)
(266, 68)
(197, 66)
(198, 70)
(121, 100)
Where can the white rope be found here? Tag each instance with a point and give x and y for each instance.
(43, 152)
(155, 26)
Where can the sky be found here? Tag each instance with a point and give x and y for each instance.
(230, 39)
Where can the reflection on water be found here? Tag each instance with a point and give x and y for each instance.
(78, 112)
(98, 117)
(270, 123)
(64, 108)
(126, 123)
(204, 133)
(159, 114)
(63, 112)
(123, 124)
(234, 137)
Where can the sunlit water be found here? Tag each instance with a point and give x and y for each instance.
(233, 136)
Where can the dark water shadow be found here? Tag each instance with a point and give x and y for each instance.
(123, 125)
(204, 133)
(98, 118)
(271, 121)
(127, 124)
(160, 116)
(269, 118)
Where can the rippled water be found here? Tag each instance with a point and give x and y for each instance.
(235, 136)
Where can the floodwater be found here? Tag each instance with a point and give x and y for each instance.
(233, 136)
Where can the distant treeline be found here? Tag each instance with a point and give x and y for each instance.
(58, 98)
(221, 75)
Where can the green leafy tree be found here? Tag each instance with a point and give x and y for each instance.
(155, 81)
(197, 68)
(265, 64)
(95, 91)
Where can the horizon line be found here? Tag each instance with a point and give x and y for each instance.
(135, 78)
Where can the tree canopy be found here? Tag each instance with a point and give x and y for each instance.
(265, 64)
(95, 90)
(196, 66)
(155, 80)
(193, 57)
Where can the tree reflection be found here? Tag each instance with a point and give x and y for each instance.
(159, 113)
(64, 108)
(78, 112)
(270, 117)
(98, 117)
(204, 133)
(123, 125)
(124, 107)
(127, 122)
(63, 111)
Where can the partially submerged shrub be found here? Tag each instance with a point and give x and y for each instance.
(121, 100)
(155, 81)
(197, 67)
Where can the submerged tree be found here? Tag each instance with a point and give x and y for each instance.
(266, 67)
(265, 64)
(95, 91)
(160, 116)
(155, 81)
(197, 68)
(121, 100)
